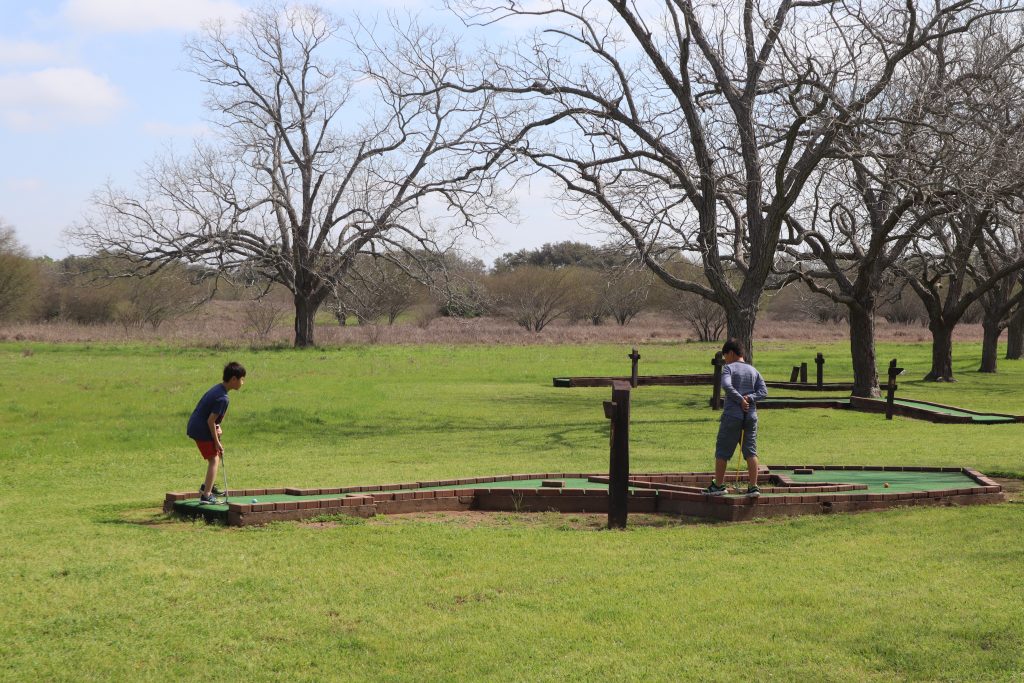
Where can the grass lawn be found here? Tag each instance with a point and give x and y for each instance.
(99, 585)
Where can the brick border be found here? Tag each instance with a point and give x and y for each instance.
(664, 493)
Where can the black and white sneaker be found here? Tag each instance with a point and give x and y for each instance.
(715, 489)
(753, 492)
(216, 491)
(208, 500)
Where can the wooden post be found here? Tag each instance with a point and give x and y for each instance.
(716, 384)
(636, 367)
(793, 376)
(803, 373)
(617, 410)
(819, 360)
(890, 394)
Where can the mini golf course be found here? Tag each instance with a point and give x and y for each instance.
(920, 410)
(787, 490)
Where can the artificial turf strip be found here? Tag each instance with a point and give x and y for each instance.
(899, 482)
(940, 410)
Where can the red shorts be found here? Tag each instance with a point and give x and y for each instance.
(208, 449)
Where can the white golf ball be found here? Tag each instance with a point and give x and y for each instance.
(254, 500)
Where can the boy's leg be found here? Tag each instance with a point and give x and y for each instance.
(725, 445)
(211, 474)
(749, 448)
(752, 470)
(720, 467)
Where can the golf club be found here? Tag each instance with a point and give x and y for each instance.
(224, 468)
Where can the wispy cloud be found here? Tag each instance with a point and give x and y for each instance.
(40, 100)
(23, 185)
(28, 53)
(146, 15)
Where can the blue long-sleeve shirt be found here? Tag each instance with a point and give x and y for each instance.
(739, 380)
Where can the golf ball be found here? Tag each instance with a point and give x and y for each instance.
(256, 501)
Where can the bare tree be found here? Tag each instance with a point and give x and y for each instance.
(533, 296)
(18, 275)
(296, 186)
(1004, 245)
(698, 129)
(1015, 333)
(376, 287)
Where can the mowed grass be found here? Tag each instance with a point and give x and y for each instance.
(98, 585)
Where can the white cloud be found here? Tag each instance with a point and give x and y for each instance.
(23, 185)
(146, 15)
(42, 99)
(163, 129)
(27, 52)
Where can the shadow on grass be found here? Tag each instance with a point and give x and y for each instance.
(129, 515)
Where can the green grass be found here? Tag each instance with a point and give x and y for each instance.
(98, 585)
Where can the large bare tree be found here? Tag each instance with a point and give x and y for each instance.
(910, 164)
(325, 148)
(695, 127)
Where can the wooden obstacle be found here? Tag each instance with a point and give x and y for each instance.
(635, 379)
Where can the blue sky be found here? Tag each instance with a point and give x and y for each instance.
(90, 90)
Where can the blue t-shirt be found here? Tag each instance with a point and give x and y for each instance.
(213, 401)
(739, 380)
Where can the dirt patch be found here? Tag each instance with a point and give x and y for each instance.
(1013, 488)
(549, 520)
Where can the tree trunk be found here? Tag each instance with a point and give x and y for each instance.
(989, 344)
(942, 352)
(305, 319)
(1015, 335)
(740, 323)
(862, 348)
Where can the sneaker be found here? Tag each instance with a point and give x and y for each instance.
(216, 491)
(753, 492)
(208, 500)
(715, 489)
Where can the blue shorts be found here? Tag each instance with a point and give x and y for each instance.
(731, 430)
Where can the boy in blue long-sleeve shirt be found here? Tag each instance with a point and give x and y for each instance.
(743, 387)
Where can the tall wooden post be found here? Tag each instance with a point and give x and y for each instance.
(635, 357)
(716, 384)
(890, 394)
(795, 375)
(819, 360)
(617, 410)
(803, 373)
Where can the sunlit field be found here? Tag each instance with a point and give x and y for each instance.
(100, 585)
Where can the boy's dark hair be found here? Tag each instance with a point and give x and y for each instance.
(232, 370)
(736, 346)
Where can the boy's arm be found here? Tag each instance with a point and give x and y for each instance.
(760, 390)
(727, 386)
(211, 421)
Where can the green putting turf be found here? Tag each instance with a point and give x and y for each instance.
(940, 410)
(899, 482)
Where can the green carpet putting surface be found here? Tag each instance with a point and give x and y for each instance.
(909, 403)
(899, 482)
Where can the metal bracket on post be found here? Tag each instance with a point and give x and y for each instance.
(635, 357)
(617, 410)
(890, 395)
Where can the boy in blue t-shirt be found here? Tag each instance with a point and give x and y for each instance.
(204, 426)
(743, 387)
